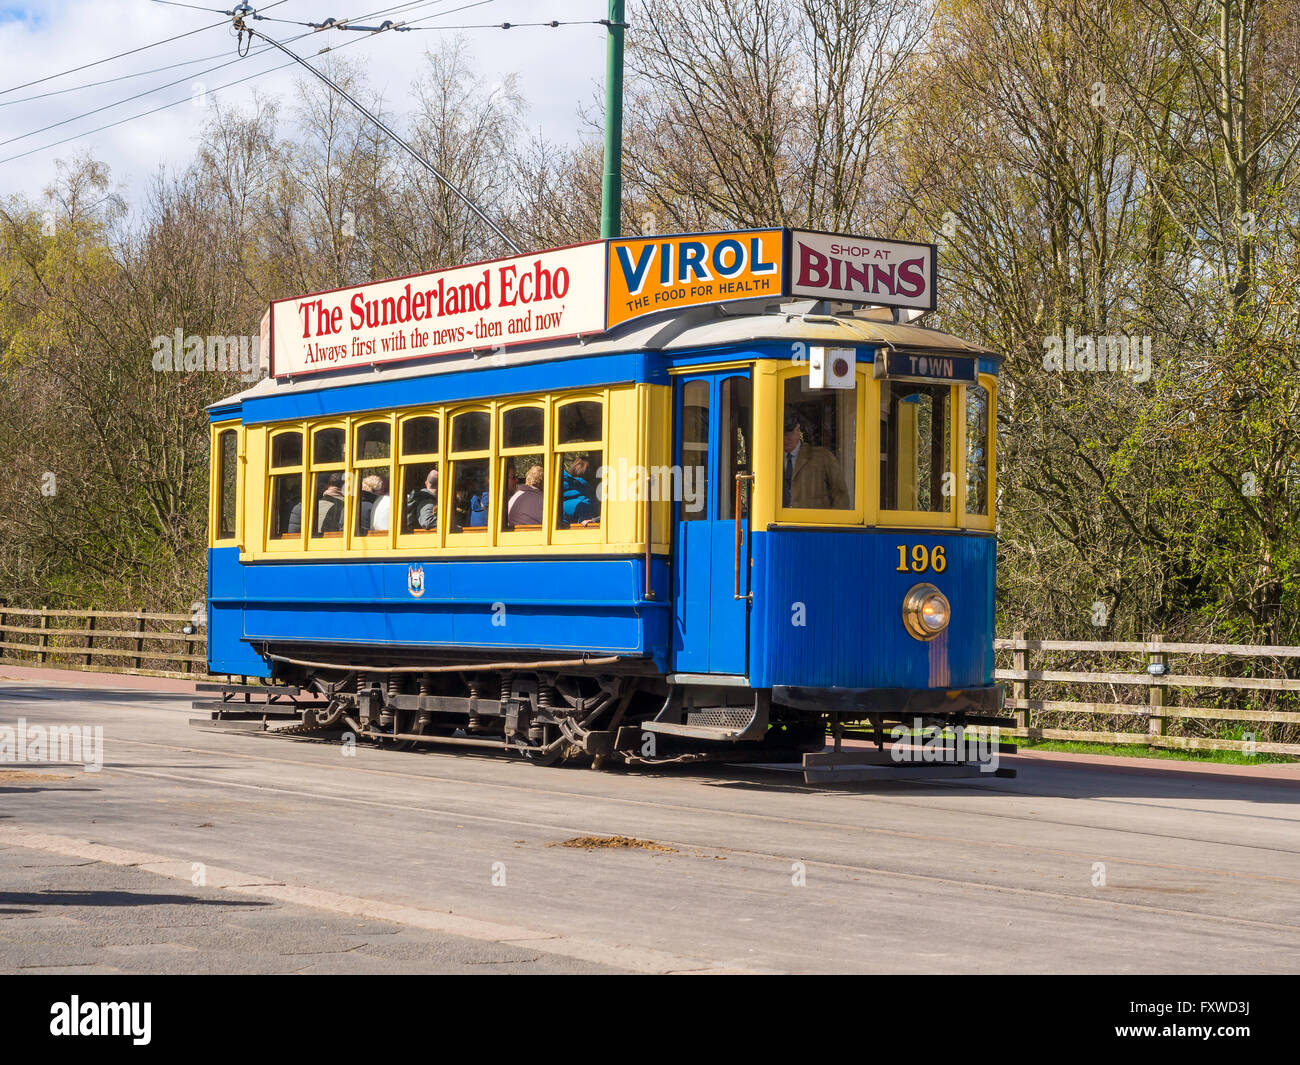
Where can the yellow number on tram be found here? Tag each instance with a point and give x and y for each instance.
(921, 559)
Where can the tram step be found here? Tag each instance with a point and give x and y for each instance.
(726, 734)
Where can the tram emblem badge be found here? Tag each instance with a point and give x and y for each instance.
(415, 580)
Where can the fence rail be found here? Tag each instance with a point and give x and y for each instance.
(1168, 723)
(103, 641)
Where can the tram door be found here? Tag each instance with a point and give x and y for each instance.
(714, 443)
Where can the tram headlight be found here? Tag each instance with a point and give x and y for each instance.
(926, 612)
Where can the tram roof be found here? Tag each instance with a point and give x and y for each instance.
(719, 325)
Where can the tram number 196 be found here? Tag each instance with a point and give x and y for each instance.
(921, 559)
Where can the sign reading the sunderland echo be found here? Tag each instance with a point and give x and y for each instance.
(660, 273)
(528, 298)
(890, 273)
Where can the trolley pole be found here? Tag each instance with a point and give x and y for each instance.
(611, 186)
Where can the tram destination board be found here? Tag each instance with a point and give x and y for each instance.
(909, 366)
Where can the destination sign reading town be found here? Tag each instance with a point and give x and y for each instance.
(586, 289)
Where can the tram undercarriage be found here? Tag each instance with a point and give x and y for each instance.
(594, 711)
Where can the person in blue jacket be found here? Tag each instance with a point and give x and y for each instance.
(579, 503)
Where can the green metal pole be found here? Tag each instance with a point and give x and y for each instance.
(611, 186)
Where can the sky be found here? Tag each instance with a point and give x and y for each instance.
(558, 69)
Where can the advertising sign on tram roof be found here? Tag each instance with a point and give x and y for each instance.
(586, 289)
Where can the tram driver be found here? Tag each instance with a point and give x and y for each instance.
(811, 478)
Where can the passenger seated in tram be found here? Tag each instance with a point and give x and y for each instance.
(329, 506)
(811, 478)
(372, 490)
(381, 517)
(525, 504)
(422, 503)
(579, 504)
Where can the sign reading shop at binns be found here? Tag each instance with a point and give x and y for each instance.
(528, 298)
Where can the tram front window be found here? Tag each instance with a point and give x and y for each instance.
(818, 446)
(916, 447)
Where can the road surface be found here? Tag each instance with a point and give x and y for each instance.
(198, 851)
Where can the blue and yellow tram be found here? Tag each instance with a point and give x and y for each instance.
(694, 494)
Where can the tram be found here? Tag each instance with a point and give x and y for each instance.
(646, 500)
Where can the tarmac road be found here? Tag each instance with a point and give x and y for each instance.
(198, 851)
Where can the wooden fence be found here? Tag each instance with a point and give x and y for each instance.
(103, 641)
(1149, 687)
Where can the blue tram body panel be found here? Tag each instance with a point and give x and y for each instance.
(845, 588)
(565, 605)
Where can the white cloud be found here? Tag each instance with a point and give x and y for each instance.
(558, 69)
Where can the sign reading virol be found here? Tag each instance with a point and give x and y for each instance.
(889, 273)
(521, 300)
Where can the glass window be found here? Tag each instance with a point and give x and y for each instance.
(695, 451)
(286, 486)
(327, 446)
(734, 444)
(420, 497)
(286, 450)
(580, 423)
(818, 446)
(977, 449)
(915, 447)
(523, 427)
(420, 475)
(372, 474)
(227, 480)
(420, 436)
(579, 466)
(471, 472)
(471, 431)
(469, 500)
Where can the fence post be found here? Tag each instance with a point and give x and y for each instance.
(3, 634)
(1019, 688)
(1155, 691)
(90, 637)
(139, 637)
(43, 653)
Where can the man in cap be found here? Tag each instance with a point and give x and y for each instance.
(810, 475)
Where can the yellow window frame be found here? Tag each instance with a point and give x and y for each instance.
(927, 519)
(284, 545)
(981, 521)
(487, 537)
(314, 542)
(523, 537)
(576, 534)
(218, 430)
(861, 511)
(360, 469)
(428, 539)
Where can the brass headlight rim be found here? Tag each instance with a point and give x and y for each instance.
(912, 602)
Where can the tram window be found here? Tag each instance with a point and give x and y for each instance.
(328, 504)
(420, 497)
(469, 498)
(579, 467)
(471, 431)
(420, 436)
(286, 450)
(524, 427)
(915, 447)
(733, 440)
(373, 440)
(818, 446)
(420, 475)
(227, 480)
(695, 450)
(580, 423)
(372, 474)
(977, 449)
(286, 506)
(327, 446)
